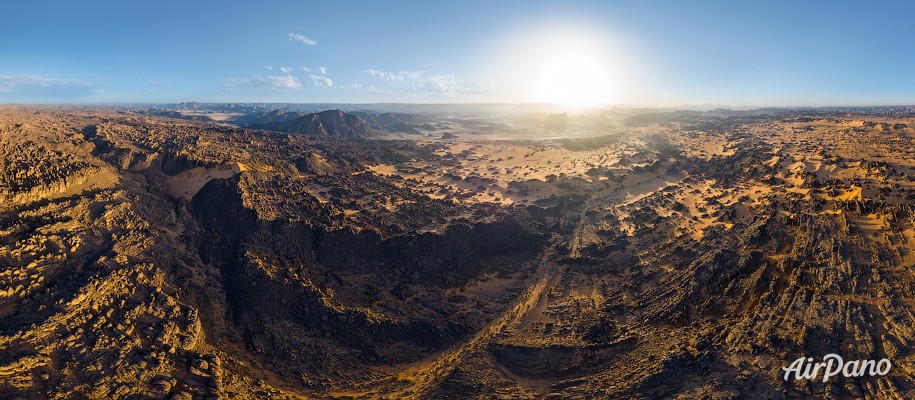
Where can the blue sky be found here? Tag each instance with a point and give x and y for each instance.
(649, 52)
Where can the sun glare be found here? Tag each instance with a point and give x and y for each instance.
(569, 64)
(573, 79)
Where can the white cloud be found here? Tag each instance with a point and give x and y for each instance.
(321, 81)
(45, 86)
(350, 86)
(318, 70)
(285, 70)
(268, 67)
(280, 82)
(446, 85)
(302, 38)
(418, 82)
(394, 76)
(375, 90)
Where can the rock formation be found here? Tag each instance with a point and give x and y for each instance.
(691, 256)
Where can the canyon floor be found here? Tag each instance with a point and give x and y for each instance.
(641, 256)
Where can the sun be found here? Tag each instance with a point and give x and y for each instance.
(573, 78)
(570, 64)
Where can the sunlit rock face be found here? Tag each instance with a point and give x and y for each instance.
(544, 254)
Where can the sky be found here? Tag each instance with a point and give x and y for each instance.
(754, 53)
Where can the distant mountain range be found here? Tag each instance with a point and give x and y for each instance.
(332, 123)
(274, 117)
(395, 122)
(383, 123)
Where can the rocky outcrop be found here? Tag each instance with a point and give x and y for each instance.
(147, 257)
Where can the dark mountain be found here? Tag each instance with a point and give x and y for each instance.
(393, 122)
(332, 123)
(277, 116)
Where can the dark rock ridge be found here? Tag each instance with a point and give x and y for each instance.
(278, 116)
(331, 123)
(393, 122)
